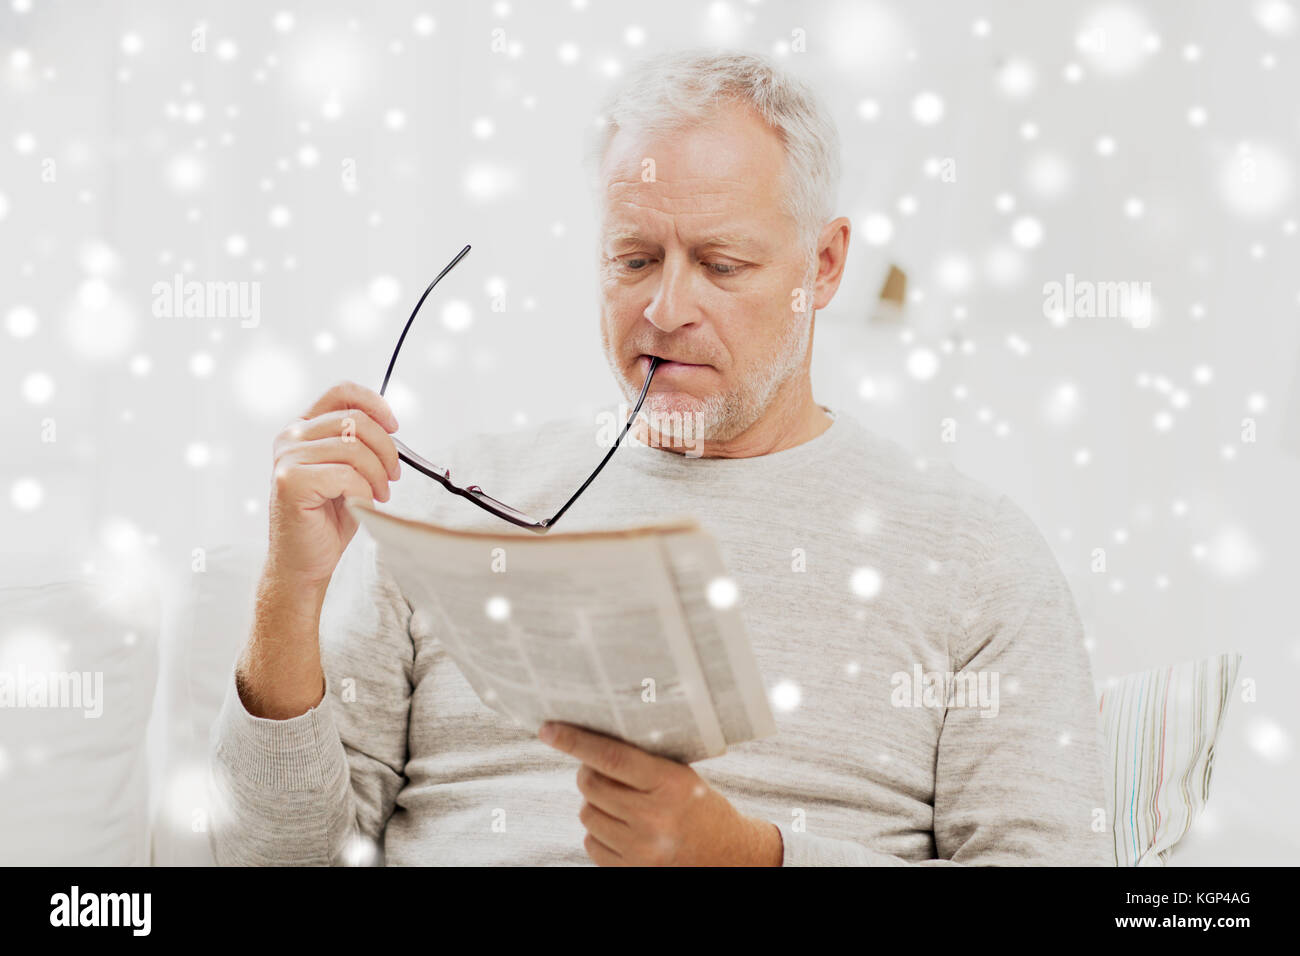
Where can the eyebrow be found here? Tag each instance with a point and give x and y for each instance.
(724, 241)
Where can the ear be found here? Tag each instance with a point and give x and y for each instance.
(832, 252)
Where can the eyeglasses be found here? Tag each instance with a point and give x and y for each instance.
(473, 493)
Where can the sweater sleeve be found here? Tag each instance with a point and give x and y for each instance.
(318, 789)
(1021, 784)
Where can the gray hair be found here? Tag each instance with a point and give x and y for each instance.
(672, 90)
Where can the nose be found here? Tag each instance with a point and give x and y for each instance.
(674, 303)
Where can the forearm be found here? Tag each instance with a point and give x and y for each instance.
(279, 674)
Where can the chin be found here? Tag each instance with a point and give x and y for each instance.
(684, 416)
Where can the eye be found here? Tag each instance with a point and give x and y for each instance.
(635, 263)
(723, 268)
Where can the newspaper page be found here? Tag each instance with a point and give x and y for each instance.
(617, 631)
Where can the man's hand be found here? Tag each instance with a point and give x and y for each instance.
(643, 810)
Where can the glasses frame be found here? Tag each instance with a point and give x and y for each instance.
(473, 493)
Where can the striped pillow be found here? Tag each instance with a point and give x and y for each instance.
(1160, 729)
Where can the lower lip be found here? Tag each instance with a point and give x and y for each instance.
(665, 366)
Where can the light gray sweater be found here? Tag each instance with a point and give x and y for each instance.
(862, 574)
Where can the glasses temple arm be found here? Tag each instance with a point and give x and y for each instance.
(406, 328)
(654, 364)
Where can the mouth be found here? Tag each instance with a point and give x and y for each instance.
(668, 365)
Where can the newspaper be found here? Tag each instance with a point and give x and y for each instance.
(613, 631)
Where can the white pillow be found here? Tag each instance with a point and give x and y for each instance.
(74, 788)
(1160, 728)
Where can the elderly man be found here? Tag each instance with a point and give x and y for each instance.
(867, 582)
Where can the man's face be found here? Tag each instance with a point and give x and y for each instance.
(699, 266)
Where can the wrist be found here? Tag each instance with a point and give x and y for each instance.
(292, 588)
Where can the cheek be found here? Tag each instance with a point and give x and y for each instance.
(620, 308)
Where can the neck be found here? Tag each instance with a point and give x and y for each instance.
(791, 418)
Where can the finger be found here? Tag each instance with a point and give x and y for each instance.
(349, 424)
(352, 395)
(613, 758)
(336, 450)
(616, 799)
(314, 485)
(600, 854)
(612, 834)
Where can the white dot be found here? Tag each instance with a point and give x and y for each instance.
(1005, 202)
(227, 51)
(865, 583)
(201, 364)
(324, 342)
(722, 593)
(484, 128)
(1268, 740)
(927, 108)
(1105, 146)
(1082, 456)
(384, 291)
(131, 44)
(395, 119)
(498, 608)
(568, 53)
(1049, 175)
(236, 245)
(24, 143)
(1163, 421)
(279, 217)
(26, 494)
(425, 25)
(1257, 403)
(877, 229)
(1275, 16)
(922, 363)
(21, 321)
(38, 388)
(308, 155)
(1026, 232)
(185, 173)
(1197, 116)
(785, 695)
(1134, 207)
(1017, 78)
(868, 110)
(197, 454)
(282, 21)
(634, 36)
(457, 315)
(269, 381)
(954, 273)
